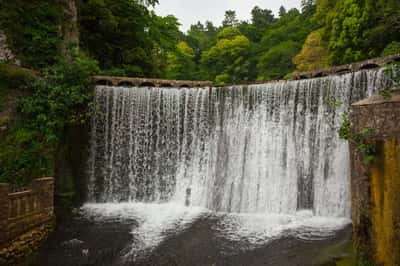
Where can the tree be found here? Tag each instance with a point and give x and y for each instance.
(314, 54)
(276, 63)
(391, 49)
(282, 11)
(357, 29)
(308, 6)
(280, 44)
(347, 35)
(33, 30)
(230, 19)
(227, 61)
(261, 18)
(201, 38)
(128, 36)
(180, 63)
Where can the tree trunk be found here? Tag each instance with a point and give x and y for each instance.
(70, 28)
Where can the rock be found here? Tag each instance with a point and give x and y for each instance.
(72, 243)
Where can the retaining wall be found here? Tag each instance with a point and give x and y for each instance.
(26, 218)
(376, 185)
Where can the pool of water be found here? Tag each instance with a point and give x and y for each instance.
(168, 234)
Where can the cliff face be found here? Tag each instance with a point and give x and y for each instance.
(5, 53)
(376, 186)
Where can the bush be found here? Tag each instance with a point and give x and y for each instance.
(16, 77)
(391, 49)
(60, 98)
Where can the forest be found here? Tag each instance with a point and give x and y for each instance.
(127, 38)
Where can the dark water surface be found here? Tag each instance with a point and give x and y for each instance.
(111, 240)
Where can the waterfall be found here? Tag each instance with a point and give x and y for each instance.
(251, 149)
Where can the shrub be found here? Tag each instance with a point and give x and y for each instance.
(60, 98)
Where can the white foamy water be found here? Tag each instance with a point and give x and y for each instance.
(156, 222)
(259, 229)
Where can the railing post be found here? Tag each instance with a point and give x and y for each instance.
(44, 187)
(4, 205)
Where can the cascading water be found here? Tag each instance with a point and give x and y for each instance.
(260, 148)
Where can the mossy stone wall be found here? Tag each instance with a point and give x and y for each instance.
(376, 185)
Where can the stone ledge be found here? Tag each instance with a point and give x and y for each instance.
(147, 82)
(380, 114)
(379, 99)
(344, 69)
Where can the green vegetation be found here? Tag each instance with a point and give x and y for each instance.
(126, 35)
(322, 34)
(361, 140)
(32, 29)
(58, 99)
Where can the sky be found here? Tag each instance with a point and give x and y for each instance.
(190, 11)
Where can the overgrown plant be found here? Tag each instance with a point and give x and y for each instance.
(361, 139)
(60, 98)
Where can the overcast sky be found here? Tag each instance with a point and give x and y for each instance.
(190, 11)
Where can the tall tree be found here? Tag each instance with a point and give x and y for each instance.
(230, 19)
(280, 44)
(128, 36)
(33, 30)
(227, 61)
(282, 11)
(314, 54)
(181, 63)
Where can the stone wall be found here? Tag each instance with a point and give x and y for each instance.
(147, 82)
(344, 69)
(376, 185)
(26, 219)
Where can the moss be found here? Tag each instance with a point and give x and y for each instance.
(15, 77)
(385, 188)
(340, 254)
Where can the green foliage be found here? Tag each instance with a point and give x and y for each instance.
(230, 19)
(280, 43)
(23, 156)
(124, 34)
(361, 139)
(264, 51)
(33, 30)
(314, 54)
(180, 64)
(277, 61)
(15, 77)
(228, 57)
(60, 98)
(357, 30)
(344, 130)
(391, 49)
